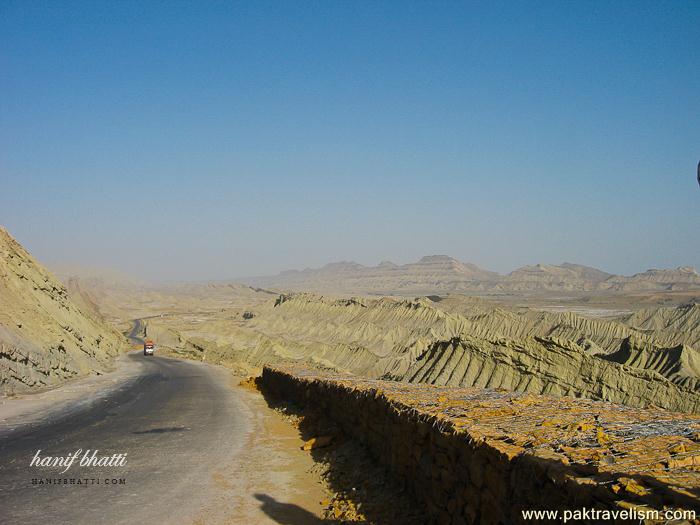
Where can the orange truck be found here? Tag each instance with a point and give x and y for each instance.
(149, 347)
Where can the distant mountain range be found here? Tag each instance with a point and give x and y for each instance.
(440, 273)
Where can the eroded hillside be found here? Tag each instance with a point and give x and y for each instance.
(45, 336)
(669, 325)
(415, 340)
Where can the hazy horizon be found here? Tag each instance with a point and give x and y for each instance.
(106, 271)
(223, 141)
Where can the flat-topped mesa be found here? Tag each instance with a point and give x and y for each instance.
(448, 267)
(432, 272)
(566, 276)
(473, 455)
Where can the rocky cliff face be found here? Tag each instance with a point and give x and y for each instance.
(45, 338)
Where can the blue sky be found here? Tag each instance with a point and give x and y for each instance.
(205, 140)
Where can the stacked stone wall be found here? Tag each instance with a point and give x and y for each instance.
(483, 456)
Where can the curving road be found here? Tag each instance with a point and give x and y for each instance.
(177, 421)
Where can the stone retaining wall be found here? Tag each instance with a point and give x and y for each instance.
(483, 456)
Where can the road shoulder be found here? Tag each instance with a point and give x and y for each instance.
(27, 409)
(271, 480)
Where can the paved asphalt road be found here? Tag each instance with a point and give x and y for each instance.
(177, 421)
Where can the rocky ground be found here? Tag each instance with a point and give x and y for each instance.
(482, 456)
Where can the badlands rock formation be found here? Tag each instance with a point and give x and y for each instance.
(440, 273)
(669, 325)
(46, 336)
(414, 340)
(641, 359)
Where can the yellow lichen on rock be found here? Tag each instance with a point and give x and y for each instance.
(317, 442)
(464, 450)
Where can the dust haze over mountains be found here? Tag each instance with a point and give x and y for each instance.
(440, 273)
(493, 135)
(549, 342)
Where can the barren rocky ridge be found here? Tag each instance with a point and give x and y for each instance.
(440, 273)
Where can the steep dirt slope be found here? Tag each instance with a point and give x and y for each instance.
(680, 364)
(45, 338)
(352, 334)
(544, 366)
(596, 335)
(669, 325)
